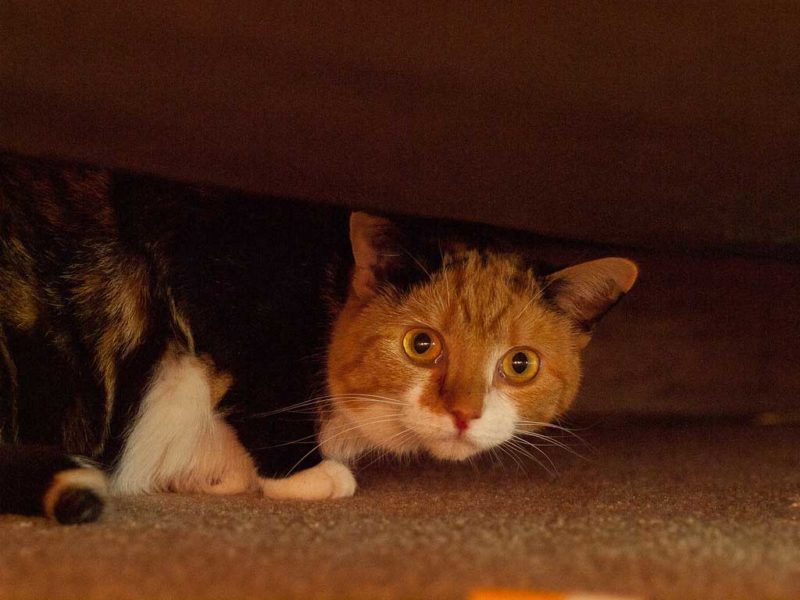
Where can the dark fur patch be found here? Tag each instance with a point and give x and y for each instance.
(27, 474)
(78, 505)
(100, 271)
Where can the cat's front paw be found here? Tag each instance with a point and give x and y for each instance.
(327, 480)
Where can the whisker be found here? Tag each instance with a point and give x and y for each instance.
(516, 443)
(551, 470)
(507, 452)
(402, 434)
(567, 430)
(320, 400)
(496, 458)
(297, 441)
(336, 434)
(548, 439)
(548, 442)
(548, 424)
(511, 445)
(471, 461)
(419, 264)
(528, 304)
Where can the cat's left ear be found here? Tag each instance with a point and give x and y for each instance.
(587, 291)
(370, 238)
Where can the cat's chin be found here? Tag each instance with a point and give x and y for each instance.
(453, 449)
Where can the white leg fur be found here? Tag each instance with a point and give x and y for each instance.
(327, 480)
(177, 442)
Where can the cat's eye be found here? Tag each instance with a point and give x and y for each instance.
(422, 345)
(520, 365)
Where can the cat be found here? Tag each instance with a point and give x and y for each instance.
(161, 336)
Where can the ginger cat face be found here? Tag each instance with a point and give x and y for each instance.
(478, 350)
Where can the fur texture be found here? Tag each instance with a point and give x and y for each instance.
(188, 339)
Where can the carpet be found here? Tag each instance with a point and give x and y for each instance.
(685, 510)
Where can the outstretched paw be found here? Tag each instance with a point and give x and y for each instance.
(327, 480)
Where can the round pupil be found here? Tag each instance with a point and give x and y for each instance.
(519, 362)
(422, 343)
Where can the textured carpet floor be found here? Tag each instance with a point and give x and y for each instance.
(697, 511)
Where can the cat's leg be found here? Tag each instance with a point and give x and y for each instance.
(37, 480)
(224, 465)
(178, 441)
(328, 480)
(339, 444)
(285, 449)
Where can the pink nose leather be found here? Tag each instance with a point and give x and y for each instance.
(463, 417)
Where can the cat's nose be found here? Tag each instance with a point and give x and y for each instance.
(462, 417)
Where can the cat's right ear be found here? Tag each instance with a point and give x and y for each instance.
(585, 292)
(370, 238)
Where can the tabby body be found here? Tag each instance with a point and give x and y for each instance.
(193, 339)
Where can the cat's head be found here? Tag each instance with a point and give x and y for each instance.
(451, 349)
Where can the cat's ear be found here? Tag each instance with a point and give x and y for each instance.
(371, 239)
(588, 290)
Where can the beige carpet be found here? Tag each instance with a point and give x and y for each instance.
(684, 511)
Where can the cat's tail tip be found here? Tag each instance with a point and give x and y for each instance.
(76, 496)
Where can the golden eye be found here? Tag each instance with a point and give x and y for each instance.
(520, 365)
(422, 345)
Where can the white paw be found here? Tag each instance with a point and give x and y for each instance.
(344, 482)
(329, 479)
